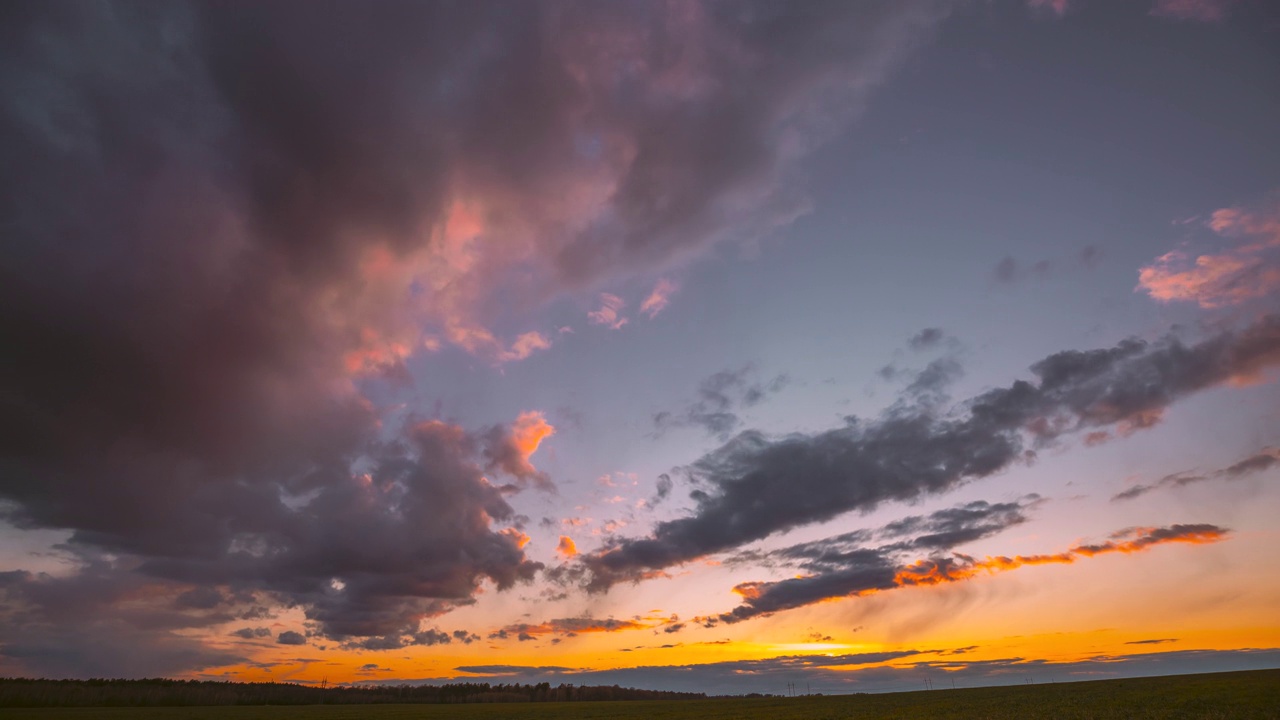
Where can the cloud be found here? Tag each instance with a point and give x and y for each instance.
(252, 633)
(525, 345)
(929, 387)
(408, 636)
(662, 489)
(566, 546)
(1264, 460)
(720, 396)
(75, 625)
(509, 448)
(926, 339)
(843, 565)
(1197, 10)
(950, 527)
(289, 637)
(658, 300)
(1155, 641)
(609, 313)
(1006, 271)
(756, 485)
(1246, 269)
(365, 555)
(1009, 271)
(841, 572)
(574, 626)
(1091, 256)
(216, 226)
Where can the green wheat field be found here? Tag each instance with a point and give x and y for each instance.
(1254, 694)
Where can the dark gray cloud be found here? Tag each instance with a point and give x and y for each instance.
(407, 636)
(720, 397)
(1153, 641)
(251, 633)
(662, 489)
(837, 570)
(954, 526)
(1264, 460)
(844, 565)
(571, 627)
(930, 385)
(289, 637)
(926, 339)
(756, 485)
(1090, 256)
(76, 625)
(1006, 271)
(1009, 271)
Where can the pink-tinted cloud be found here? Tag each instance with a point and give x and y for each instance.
(1197, 10)
(658, 299)
(609, 313)
(1247, 269)
(509, 449)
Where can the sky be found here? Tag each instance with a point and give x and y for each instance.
(704, 346)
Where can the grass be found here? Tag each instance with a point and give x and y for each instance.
(1247, 695)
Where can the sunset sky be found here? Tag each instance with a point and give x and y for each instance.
(687, 345)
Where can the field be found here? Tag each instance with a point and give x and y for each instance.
(1254, 694)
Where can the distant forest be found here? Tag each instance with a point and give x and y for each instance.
(22, 692)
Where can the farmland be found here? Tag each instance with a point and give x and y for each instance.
(1253, 694)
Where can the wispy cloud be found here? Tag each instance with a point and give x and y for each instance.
(1264, 460)
(721, 396)
(577, 625)
(658, 300)
(609, 313)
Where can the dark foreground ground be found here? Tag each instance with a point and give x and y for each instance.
(1253, 694)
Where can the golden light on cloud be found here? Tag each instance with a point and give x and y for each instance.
(528, 432)
(567, 547)
(964, 567)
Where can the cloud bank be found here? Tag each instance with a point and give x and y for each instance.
(756, 485)
(221, 222)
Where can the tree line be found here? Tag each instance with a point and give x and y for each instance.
(26, 692)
